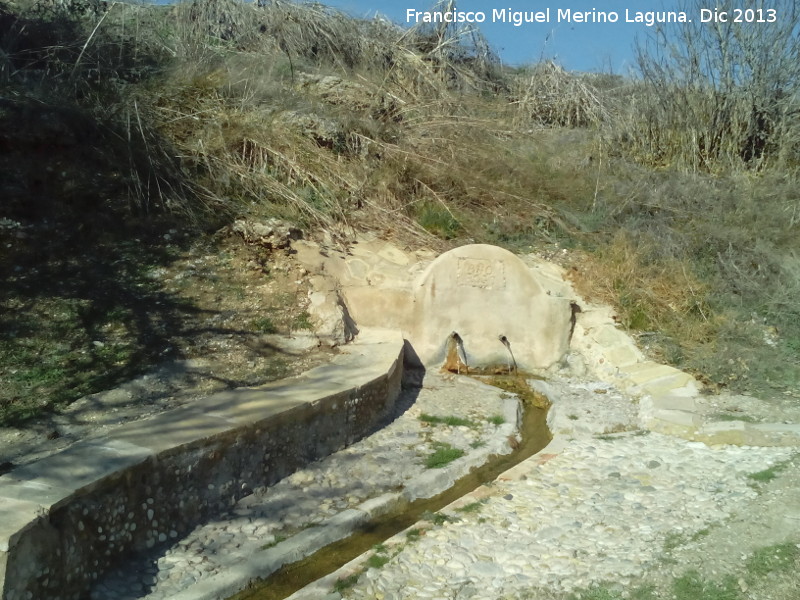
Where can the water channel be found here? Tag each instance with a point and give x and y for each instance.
(534, 436)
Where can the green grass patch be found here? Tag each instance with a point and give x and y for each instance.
(278, 539)
(302, 321)
(692, 586)
(376, 561)
(442, 455)
(381, 556)
(769, 474)
(597, 593)
(780, 558)
(472, 507)
(452, 421)
(264, 325)
(412, 535)
(437, 219)
(673, 540)
(496, 419)
(605, 592)
(346, 582)
(701, 533)
(437, 518)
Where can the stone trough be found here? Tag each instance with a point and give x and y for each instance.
(67, 519)
(488, 296)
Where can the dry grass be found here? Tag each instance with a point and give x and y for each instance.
(718, 98)
(703, 267)
(650, 290)
(708, 130)
(545, 94)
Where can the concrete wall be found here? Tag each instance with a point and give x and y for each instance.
(67, 519)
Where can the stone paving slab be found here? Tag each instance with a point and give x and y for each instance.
(672, 402)
(251, 566)
(678, 385)
(678, 417)
(174, 429)
(647, 372)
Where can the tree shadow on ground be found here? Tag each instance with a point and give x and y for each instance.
(80, 311)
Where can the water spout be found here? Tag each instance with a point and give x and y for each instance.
(456, 357)
(504, 340)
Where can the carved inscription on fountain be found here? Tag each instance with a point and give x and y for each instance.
(481, 273)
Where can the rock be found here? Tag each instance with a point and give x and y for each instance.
(271, 234)
(333, 324)
(296, 343)
(326, 133)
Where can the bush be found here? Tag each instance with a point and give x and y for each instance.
(718, 96)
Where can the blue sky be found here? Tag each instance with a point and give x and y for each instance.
(580, 46)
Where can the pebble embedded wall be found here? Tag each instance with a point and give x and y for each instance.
(62, 552)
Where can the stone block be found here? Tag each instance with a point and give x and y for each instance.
(378, 306)
(393, 255)
(608, 336)
(676, 385)
(775, 434)
(648, 371)
(383, 504)
(173, 429)
(716, 427)
(675, 402)
(620, 355)
(677, 417)
(16, 515)
(3, 564)
(428, 484)
(596, 316)
(312, 539)
(724, 432)
(54, 479)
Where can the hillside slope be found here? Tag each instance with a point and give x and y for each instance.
(131, 136)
